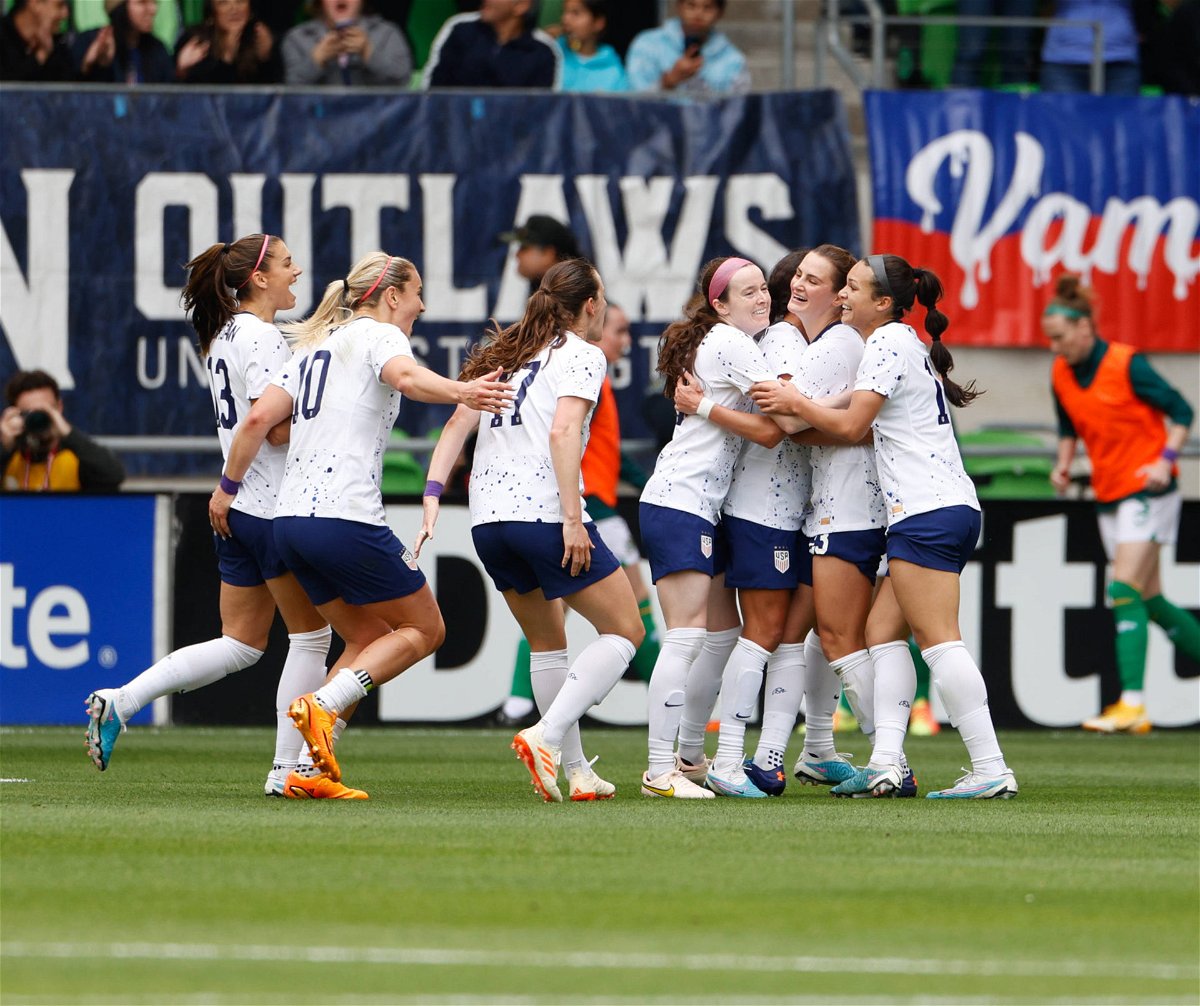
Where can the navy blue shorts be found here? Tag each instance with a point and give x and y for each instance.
(523, 555)
(673, 540)
(941, 539)
(863, 549)
(765, 558)
(360, 563)
(250, 557)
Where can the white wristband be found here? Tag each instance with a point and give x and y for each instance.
(704, 409)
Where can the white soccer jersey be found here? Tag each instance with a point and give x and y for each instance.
(512, 477)
(772, 486)
(242, 360)
(920, 467)
(694, 470)
(342, 414)
(846, 495)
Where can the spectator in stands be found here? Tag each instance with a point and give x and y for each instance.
(498, 47)
(1014, 45)
(125, 51)
(230, 46)
(40, 451)
(688, 55)
(31, 47)
(543, 241)
(1067, 52)
(1171, 48)
(343, 46)
(169, 18)
(589, 64)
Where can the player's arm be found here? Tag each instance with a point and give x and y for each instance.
(847, 426)
(484, 394)
(274, 407)
(751, 426)
(566, 452)
(441, 464)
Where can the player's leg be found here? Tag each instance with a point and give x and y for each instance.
(703, 684)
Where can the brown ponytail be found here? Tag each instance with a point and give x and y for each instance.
(214, 276)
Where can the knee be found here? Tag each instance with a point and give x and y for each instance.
(635, 632)
(436, 634)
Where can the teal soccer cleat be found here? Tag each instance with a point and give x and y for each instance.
(978, 787)
(872, 782)
(104, 726)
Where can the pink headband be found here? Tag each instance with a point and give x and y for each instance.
(261, 254)
(721, 278)
(386, 265)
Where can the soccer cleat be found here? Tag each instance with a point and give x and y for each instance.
(731, 785)
(104, 726)
(770, 780)
(693, 773)
(319, 787)
(922, 722)
(584, 784)
(978, 787)
(542, 761)
(316, 727)
(824, 773)
(276, 779)
(675, 785)
(908, 785)
(1119, 718)
(867, 782)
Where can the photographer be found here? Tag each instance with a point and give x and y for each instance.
(40, 451)
(342, 47)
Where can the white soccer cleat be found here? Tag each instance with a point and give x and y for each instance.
(542, 761)
(584, 784)
(674, 784)
(978, 787)
(697, 773)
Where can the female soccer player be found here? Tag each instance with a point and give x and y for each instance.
(233, 292)
(341, 392)
(529, 521)
(1133, 425)
(681, 504)
(901, 393)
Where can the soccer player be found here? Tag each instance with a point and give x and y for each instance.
(233, 292)
(341, 393)
(901, 394)
(529, 522)
(681, 504)
(1133, 425)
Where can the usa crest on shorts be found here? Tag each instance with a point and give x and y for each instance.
(783, 559)
(706, 546)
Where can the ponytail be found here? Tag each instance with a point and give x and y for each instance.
(214, 277)
(364, 286)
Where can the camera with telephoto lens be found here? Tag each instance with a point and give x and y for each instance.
(35, 440)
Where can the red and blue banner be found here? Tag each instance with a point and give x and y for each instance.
(1000, 193)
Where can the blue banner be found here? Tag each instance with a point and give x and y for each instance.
(76, 601)
(1000, 193)
(105, 194)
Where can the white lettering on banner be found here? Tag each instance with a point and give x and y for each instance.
(972, 241)
(297, 225)
(187, 362)
(1039, 585)
(43, 624)
(768, 193)
(539, 194)
(365, 195)
(443, 300)
(197, 193)
(33, 309)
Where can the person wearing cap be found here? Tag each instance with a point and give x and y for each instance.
(542, 241)
(499, 46)
(125, 51)
(32, 46)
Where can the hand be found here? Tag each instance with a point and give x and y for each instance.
(685, 67)
(193, 51)
(328, 48)
(263, 41)
(687, 394)
(354, 42)
(776, 398)
(1060, 478)
(432, 507)
(219, 506)
(101, 52)
(487, 394)
(577, 547)
(12, 425)
(1157, 474)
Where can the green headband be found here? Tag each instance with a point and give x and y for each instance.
(1066, 312)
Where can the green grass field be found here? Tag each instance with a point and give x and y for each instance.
(171, 879)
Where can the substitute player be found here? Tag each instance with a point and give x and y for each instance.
(1133, 425)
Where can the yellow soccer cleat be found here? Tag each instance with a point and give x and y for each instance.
(319, 787)
(922, 722)
(316, 727)
(1119, 718)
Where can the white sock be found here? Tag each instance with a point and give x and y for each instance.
(595, 671)
(781, 703)
(895, 689)
(185, 670)
(304, 764)
(701, 691)
(1133, 697)
(303, 672)
(517, 707)
(547, 673)
(666, 695)
(739, 693)
(964, 695)
(822, 692)
(347, 687)
(858, 683)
